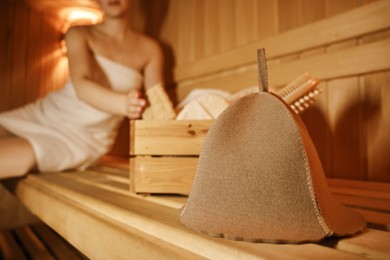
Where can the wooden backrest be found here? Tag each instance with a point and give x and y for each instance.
(330, 48)
(350, 53)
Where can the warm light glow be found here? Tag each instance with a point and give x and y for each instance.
(80, 16)
(76, 15)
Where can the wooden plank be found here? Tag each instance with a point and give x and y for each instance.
(34, 246)
(372, 204)
(266, 15)
(371, 244)
(173, 201)
(384, 195)
(317, 124)
(108, 173)
(6, 14)
(97, 178)
(107, 183)
(376, 220)
(226, 23)
(344, 117)
(9, 248)
(12, 212)
(162, 174)
(312, 11)
(92, 209)
(211, 27)
(337, 7)
(357, 184)
(168, 137)
(18, 55)
(362, 59)
(288, 14)
(183, 26)
(244, 29)
(58, 246)
(99, 234)
(338, 28)
(34, 55)
(377, 125)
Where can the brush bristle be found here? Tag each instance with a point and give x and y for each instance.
(301, 93)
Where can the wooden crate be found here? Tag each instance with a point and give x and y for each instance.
(164, 154)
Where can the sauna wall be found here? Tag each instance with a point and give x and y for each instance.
(350, 123)
(196, 29)
(31, 62)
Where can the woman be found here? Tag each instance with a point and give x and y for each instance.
(73, 127)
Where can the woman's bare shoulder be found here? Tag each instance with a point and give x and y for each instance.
(149, 44)
(79, 31)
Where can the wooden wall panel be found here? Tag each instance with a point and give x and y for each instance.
(344, 117)
(226, 24)
(376, 121)
(245, 20)
(311, 11)
(317, 123)
(266, 22)
(6, 15)
(225, 14)
(18, 53)
(288, 15)
(34, 55)
(30, 55)
(351, 143)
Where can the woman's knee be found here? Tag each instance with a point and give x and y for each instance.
(17, 157)
(4, 132)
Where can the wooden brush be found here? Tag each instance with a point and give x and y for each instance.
(301, 93)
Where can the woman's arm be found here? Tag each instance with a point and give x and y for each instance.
(89, 91)
(153, 71)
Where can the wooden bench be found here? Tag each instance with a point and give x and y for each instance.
(35, 241)
(95, 212)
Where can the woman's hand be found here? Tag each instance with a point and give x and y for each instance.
(135, 104)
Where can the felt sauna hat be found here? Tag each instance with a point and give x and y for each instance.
(259, 177)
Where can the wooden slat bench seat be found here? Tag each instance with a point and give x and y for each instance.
(96, 213)
(36, 241)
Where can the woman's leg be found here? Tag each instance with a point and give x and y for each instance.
(16, 156)
(4, 132)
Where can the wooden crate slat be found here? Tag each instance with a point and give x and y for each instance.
(162, 174)
(168, 137)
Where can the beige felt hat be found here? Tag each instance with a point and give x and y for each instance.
(259, 178)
